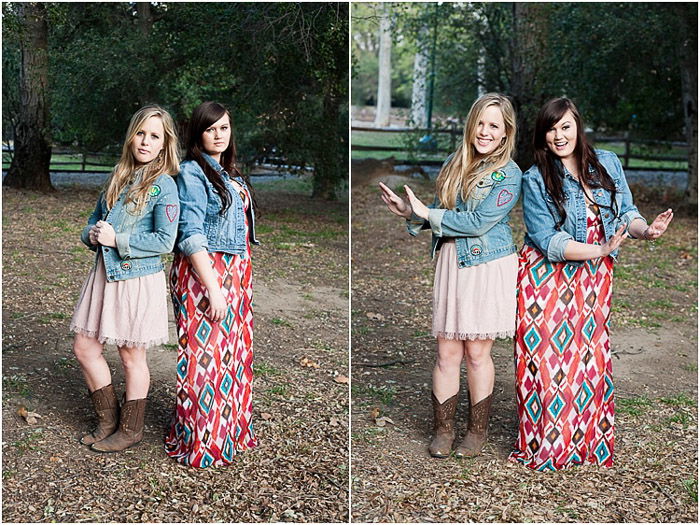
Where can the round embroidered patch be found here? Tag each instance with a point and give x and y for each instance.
(476, 250)
(498, 176)
(154, 191)
(126, 265)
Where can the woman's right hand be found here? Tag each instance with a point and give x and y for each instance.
(217, 305)
(614, 242)
(396, 204)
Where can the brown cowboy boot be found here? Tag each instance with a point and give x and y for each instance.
(477, 429)
(130, 428)
(443, 427)
(107, 408)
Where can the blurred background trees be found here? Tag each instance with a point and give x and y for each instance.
(281, 68)
(630, 67)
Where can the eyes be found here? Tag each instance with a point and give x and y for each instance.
(154, 136)
(565, 127)
(211, 130)
(491, 125)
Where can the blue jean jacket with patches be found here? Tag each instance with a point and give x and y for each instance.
(480, 226)
(541, 216)
(202, 227)
(141, 238)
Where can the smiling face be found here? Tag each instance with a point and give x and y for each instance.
(148, 141)
(216, 137)
(490, 131)
(561, 137)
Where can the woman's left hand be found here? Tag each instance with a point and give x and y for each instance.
(657, 228)
(420, 209)
(106, 235)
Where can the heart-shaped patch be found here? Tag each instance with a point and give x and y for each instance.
(171, 212)
(504, 197)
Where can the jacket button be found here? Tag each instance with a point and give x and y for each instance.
(106, 249)
(607, 215)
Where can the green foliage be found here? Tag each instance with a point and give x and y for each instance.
(592, 53)
(281, 68)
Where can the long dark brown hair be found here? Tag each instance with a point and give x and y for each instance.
(551, 113)
(202, 118)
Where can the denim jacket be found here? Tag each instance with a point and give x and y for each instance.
(141, 239)
(202, 227)
(541, 215)
(479, 225)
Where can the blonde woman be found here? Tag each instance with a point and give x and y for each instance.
(475, 275)
(123, 300)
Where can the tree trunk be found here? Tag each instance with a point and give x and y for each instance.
(527, 47)
(382, 116)
(32, 142)
(144, 18)
(688, 54)
(420, 81)
(328, 166)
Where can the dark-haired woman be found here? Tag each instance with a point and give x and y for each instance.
(578, 209)
(211, 285)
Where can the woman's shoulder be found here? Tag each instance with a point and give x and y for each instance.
(190, 167)
(533, 173)
(166, 182)
(512, 170)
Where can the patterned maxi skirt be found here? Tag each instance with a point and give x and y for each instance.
(212, 420)
(563, 365)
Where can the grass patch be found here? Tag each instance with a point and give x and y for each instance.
(278, 321)
(170, 346)
(16, 383)
(681, 400)
(263, 369)
(691, 488)
(632, 406)
(29, 442)
(278, 390)
(384, 394)
(690, 368)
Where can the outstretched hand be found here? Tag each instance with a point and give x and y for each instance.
(420, 209)
(396, 204)
(614, 242)
(657, 228)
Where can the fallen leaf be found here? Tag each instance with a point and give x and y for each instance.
(340, 379)
(305, 361)
(374, 316)
(382, 421)
(334, 422)
(374, 413)
(266, 416)
(29, 417)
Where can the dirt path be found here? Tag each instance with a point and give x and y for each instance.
(654, 340)
(299, 471)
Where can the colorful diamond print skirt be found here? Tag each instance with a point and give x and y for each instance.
(212, 420)
(563, 365)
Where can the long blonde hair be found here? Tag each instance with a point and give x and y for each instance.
(167, 161)
(466, 167)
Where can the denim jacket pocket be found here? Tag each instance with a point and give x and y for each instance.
(482, 189)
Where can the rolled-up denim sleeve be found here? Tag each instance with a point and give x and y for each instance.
(92, 220)
(415, 224)
(628, 211)
(161, 238)
(489, 212)
(539, 221)
(192, 187)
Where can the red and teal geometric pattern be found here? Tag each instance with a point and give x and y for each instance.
(564, 387)
(213, 414)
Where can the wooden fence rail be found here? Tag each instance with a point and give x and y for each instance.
(455, 133)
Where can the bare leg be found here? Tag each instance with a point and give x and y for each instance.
(480, 370)
(136, 372)
(446, 371)
(88, 351)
